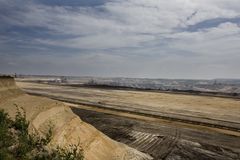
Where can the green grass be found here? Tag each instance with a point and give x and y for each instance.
(16, 143)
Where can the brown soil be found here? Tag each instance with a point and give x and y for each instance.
(166, 126)
(68, 128)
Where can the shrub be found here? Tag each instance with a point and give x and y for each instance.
(16, 143)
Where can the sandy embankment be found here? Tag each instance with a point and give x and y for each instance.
(67, 127)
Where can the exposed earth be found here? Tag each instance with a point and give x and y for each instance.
(66, 127)
(165, 126)
(163, 141)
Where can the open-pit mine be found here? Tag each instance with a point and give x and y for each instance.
(165, 126)
(68, 129)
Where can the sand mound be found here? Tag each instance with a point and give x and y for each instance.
(67, 127)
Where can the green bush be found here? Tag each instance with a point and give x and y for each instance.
(17, 144)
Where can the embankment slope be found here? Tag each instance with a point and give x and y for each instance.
(68, 128)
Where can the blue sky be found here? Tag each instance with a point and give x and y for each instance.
(121, 38)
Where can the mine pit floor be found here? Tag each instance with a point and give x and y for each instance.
(163, 141)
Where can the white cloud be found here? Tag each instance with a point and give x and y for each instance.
(120, 19)
(221, 40)
(153, 32)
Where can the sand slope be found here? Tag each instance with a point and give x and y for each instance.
(67, 127)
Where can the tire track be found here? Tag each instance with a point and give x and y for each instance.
(157, 146)
(168, 146)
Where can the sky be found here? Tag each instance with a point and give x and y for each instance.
(191, 39)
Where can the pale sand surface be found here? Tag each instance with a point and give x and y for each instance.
(226, 109)
(68, 128)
